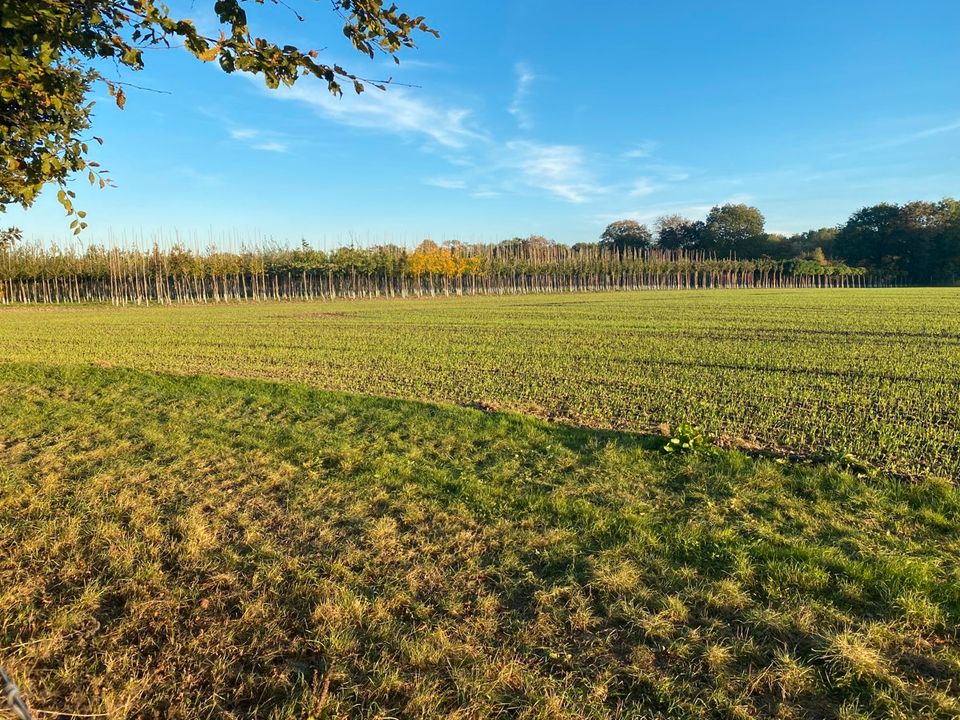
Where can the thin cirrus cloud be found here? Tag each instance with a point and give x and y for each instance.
(517, 108)
(259, 140)
(643, 187)
(482, 166)
(899, 140)
(520, 166)
(560, 170)
(641, 150)
(446, 183)
(397, 111)
(271, 146)
(919, 135)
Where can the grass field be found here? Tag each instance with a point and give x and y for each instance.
(873, 373)
(193, 525)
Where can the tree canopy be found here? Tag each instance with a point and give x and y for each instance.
(916, 243)
(731, 227)
(624, 234)
(675, 232)
(51, 52)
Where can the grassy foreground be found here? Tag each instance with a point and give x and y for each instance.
(875, 373)
(207, 547)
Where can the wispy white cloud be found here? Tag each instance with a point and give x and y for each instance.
(561, 170)
(525, 78)
(397, 111)
(898, 140)
(446, 183)
(918, 135)
(481, 165)
(519, 166)
(266, 141)
(271, 146)
(642, 150)
(243, 133)
(643, 186)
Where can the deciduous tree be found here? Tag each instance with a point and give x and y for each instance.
(806, 242)
(624, 234)
(675, 232)
(734, 228)
(867, 238)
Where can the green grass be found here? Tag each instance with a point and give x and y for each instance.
(875, 373)
(211, 547)
(195, 523)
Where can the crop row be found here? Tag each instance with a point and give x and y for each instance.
(875, 373)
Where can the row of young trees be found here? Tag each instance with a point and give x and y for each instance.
(916, 243)
(31, 273)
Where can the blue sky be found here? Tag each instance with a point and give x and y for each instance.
(540, 116)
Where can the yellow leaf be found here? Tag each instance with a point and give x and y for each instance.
(208, 55)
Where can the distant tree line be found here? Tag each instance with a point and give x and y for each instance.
(33, 273)
(916, 243)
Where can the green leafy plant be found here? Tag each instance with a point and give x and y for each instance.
(686, 438)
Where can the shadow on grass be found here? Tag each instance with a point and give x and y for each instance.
(243, 544)
(293, 403)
